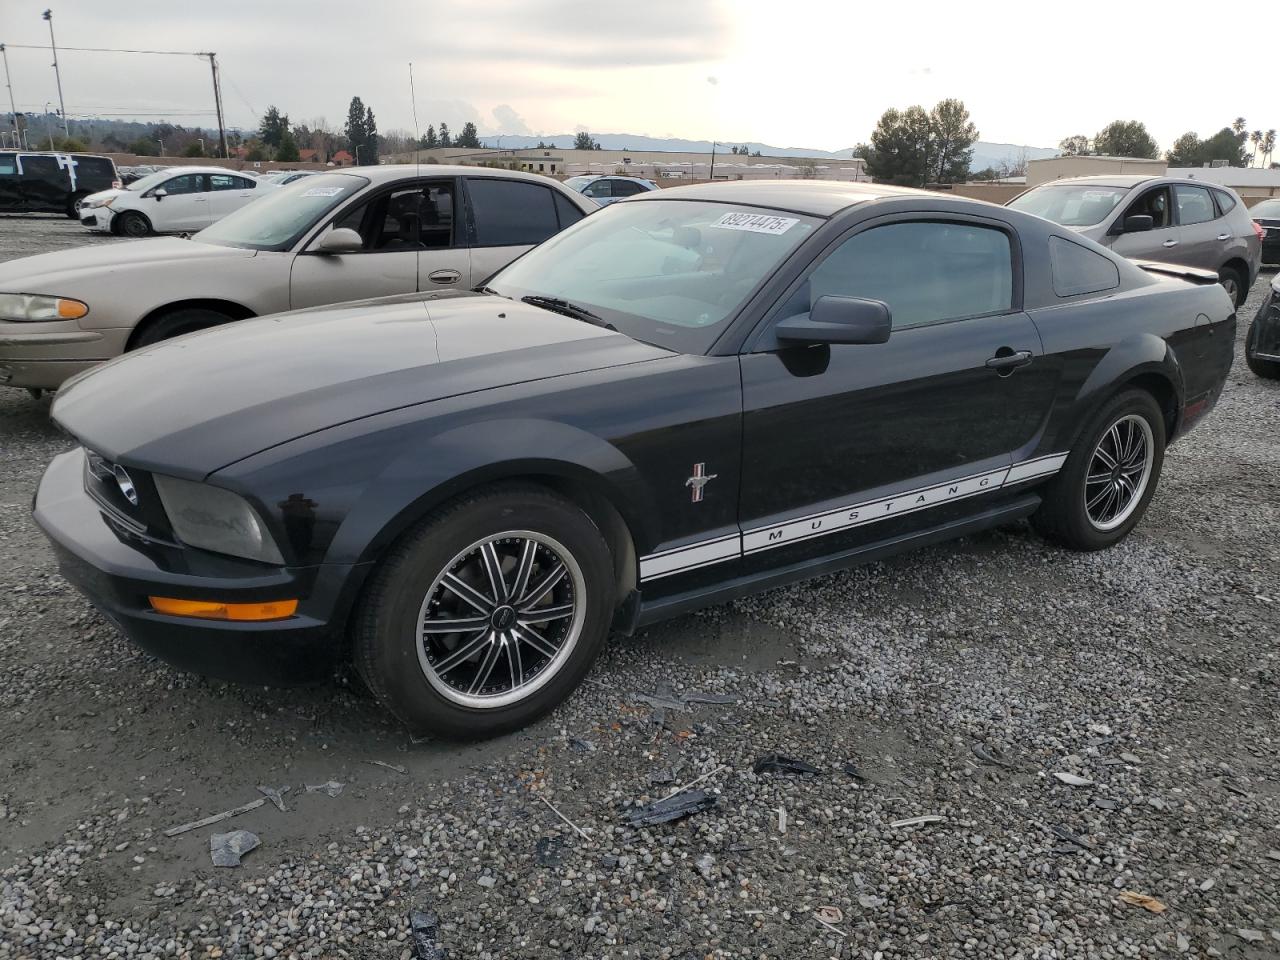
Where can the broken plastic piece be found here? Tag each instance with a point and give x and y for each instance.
(424, 932)
(224, 815)
(331, 788)
(1071, 780)
(919, 821)
(777, 763)
(672, 808)
(696, 696)
(275, 796)
(830, 914)
(547, 851)
(382, 763)
(226, 849)
(1143, 901)
(990, 755)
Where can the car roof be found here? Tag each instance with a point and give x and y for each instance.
(386, 172)
(821, 198)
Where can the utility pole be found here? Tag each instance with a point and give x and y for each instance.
(217, 101)
(66, 132)
(13, 107)
(713, 160)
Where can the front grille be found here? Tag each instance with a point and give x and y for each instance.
(127, 496)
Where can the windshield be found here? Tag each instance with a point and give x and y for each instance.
(1072, 205)
(150, 180)
(275, 220)
(1267, 208)
(668, 272)
(577, 183)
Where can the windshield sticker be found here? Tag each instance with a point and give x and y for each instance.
(1099, 195)
(322, 192)
(756, 223)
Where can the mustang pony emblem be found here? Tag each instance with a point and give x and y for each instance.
(699, 480)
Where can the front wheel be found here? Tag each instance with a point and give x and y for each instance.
(1235, 284)
(1109, 477)
(487, 614)
(133, 224)
(1268, 369)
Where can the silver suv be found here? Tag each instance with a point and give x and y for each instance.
(1169, 219)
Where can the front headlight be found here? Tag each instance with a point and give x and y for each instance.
(34, 307)
(212, 518)
(94, 204)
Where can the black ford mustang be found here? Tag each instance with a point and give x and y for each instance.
(695, 394)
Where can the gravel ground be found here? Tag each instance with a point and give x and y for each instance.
(957, 682)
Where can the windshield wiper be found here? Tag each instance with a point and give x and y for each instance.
(557, 305)
(488, 290)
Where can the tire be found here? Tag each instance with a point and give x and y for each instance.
(1235, 283)
(423, 676)
(175, 324)
(1267, 369)
(1078, 520)
(132, 224)
(75, 198)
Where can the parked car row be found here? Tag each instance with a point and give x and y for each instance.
(33, 182)
(605, 190)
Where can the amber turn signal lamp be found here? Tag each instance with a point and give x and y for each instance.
(213, 610)
(71, 309)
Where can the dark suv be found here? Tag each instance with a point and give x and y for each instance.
(52, 182)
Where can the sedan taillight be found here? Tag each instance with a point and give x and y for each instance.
(1257, 228)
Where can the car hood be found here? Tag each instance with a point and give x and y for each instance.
(198, 403)
(51, 272)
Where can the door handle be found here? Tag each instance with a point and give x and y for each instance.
(1006, 360)
(201, 199)
(1169, 243)
(444, 276)
(1224, 236)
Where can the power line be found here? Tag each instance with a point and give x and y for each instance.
(166, 53)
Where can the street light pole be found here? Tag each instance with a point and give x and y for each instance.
(47, 132)
(66, 132)
(160, 140)
(13, 107)
(713, 160)
(357, 146)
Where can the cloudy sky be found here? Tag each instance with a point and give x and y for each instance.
(814, 74)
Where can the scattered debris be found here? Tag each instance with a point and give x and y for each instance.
(777, 763)
(834, 929)
(1143, 901)
(226, 849)
(548, 851)
(582, 746)
(695, 780)
(276, 796)
(705, 864)
(390, 766)
(713, 698)
(224, 815)
(1253, 936)
(661, 777)
(331, 788)
(1104, 804)
(424, 930)
(918, 821)
(782, 819)
(577, 829)
(854, 772)
(670, 808)
(662, 700)
(1071, 780)
(830, 914)
(1074, 843)
(991, 755)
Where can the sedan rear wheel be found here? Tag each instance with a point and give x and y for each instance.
(1110, 475)
(486, 614)
(1234, 284)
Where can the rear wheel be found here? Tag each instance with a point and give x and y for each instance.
(1269, 369)
(1109, 477)
(487, 614)
(1233, 281)
(132, 224)
(175, 324)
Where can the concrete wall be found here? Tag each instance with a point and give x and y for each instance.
(1056, 168)
(134, 159)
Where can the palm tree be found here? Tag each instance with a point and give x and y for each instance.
(1256, 139)
(1238, 128)
(1268, 145)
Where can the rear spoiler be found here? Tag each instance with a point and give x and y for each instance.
(1190, 274)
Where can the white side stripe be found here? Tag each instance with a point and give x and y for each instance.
(681, 559)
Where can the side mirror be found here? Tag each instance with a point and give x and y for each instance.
(340, 240)
(839, 320)
(1138, 223)
(159, 193)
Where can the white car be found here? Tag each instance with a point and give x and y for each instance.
(359, 233)
(174, 200)
(278, 178)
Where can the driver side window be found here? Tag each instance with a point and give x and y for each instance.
(1154, 204)
(419, 217)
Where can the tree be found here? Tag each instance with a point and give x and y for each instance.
(583, 141)
(1268, 146)
(445, 139)
(1076, 145)
(468, 137)
(1256, 139)
(1125, 138)
(913, 147)
(371, 136)
(362, 132)
(193, 150)
(273, 127)
(256, 151)
(1240, 128)
(287, 151)
(1186, 150)
(144, 147)
(1190, 151)
(429, 141)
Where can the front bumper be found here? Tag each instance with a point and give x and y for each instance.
(117, 570)
(1264, 332)
(45, 354)
(96, 218)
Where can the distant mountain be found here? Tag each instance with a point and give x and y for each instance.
(984, 154)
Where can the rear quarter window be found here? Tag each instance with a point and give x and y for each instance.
(1226, 202)
(1078, 270)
